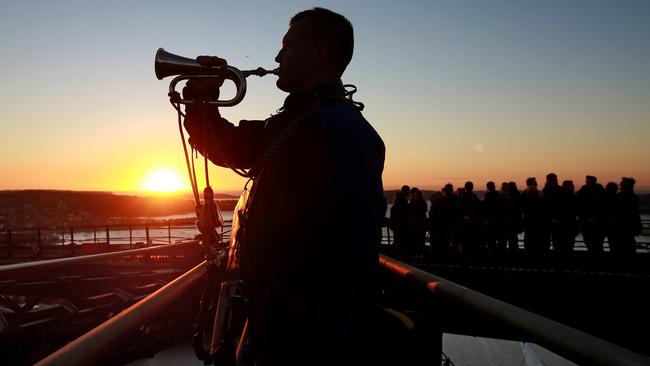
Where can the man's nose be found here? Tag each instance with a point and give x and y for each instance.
(278, 58)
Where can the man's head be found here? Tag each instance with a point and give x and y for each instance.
(611, 188)
(490, 186)
(590, 180)
(568, 186)
(406, 190)
(627, 184)
(551, 178)
(316, 50)
(531, 182)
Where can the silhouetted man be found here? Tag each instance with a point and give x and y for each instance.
(512, 215)
(568, 220)
(417, 227)
(399, 218)
(552, 197)
(468, 233)
(611, 203)
(493, 237)
(406, 192)
(627, 223)
(592, 214)
(449, 216)
(318, 166)
(435, 225)
(536, 241)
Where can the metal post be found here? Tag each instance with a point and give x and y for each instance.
(62, 236)
(38, 242)
(95, 234)
(71, 240)
(388, 233)
(9, 244)
(108, 237)
(146, 229)
(130, 236)
(169, 231)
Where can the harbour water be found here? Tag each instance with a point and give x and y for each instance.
(161, 233)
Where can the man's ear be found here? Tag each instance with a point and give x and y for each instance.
(323, 54)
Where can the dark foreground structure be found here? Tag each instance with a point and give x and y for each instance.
(115, 307)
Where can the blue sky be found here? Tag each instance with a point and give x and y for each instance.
(459, 90)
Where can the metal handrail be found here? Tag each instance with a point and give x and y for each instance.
(65, 235)
(93, 345)
(571, 343)
(53, 263)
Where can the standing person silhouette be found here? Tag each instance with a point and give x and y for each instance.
(627, 223)
(552, 199)
(536, 236)
(417, 227)
(399, 218)
(317, 167)
(568, 221)
(593, 214)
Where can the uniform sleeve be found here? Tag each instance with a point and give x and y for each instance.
(224, 143)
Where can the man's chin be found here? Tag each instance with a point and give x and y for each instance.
(283, 86)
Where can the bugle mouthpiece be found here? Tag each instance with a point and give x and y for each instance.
(260, 72)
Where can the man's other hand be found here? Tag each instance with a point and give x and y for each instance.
(205, 87)
(211, 61)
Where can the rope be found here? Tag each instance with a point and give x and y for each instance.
(195, 190)
(208, 214)
(208, 219)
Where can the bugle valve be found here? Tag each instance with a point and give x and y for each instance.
(168, 64)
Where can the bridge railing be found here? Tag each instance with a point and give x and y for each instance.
(50, 242)
(568, 342)
(642, 245)
(95, 344)
(72, 240)
(44, 265)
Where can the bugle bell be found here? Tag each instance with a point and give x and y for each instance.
(168, 64)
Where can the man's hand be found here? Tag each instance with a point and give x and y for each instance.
(211, 61)
(205, 87)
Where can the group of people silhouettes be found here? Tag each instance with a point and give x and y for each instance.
(458, 222)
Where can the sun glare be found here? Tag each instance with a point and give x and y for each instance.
(163, 181)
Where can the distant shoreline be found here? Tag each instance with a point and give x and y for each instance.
(65, 207)
(45, 208)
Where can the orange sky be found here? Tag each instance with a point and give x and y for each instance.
(458, 91)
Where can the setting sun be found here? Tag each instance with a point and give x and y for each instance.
(164, 180)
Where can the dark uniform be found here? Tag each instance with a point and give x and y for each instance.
(310, 258)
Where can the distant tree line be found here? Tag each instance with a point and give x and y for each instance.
(97, 206)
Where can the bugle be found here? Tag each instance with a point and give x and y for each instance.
(168, 64)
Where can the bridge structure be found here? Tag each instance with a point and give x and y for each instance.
(114, 303)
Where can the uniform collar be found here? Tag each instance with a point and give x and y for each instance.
(299, 101)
